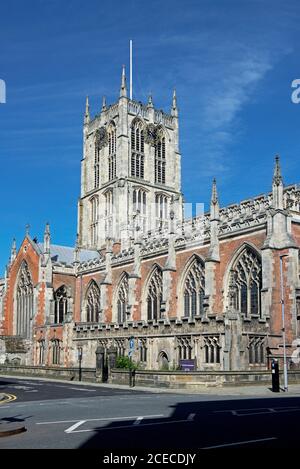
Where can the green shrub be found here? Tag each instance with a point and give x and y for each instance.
(125, 363)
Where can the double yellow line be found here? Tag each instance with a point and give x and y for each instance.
(8, 398)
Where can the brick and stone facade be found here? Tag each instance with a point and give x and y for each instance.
(206, 289)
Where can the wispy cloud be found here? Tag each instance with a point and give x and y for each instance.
(216, 78)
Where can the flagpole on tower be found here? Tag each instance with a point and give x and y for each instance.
(130, 62)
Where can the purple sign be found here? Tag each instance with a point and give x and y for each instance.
(187, 365)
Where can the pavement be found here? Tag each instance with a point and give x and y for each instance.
(242, 390)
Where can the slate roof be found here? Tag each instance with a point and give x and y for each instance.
(65, 254)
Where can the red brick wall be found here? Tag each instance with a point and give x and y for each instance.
(29, 254)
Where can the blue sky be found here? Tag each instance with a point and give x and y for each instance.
(232, 63)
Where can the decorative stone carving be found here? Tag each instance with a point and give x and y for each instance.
(101, 138)
(151, 134)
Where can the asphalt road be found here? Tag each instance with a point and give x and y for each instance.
(66, 415)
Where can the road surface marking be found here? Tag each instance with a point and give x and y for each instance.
(74, 388)
(240, 443)
(138, 421)
(33, 384)
(106, 418)
(73, 427)
(8, 398)
(122, 427)
(260, 411)
(80, 389)
(20, 387)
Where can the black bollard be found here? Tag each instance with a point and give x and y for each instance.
(275, 375)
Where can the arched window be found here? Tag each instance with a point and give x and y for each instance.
(154, 296)
(24, 301)
(55, 352)
(112, 151)
(212, 349)
(139, 203)
(245, 283)
(185, 348)
(109, 208)
(60, 305)
(122, 301)
(160, 160)
(97, 167)
(256, 350)
(142, 343)
(120, 346)
(41, 351)
(94, 220)
(137, 150)
(161, 211)
(194, 289)
(93, 303)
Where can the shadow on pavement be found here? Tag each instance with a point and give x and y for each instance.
(258, 422)
(16, 419)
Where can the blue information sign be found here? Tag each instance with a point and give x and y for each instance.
(131, 343)
(187, 365)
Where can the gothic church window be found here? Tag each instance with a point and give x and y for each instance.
(122, 301)
(137, 150)
(97, 167)
(55, 352)
(41, 352)
(161, 211)
(142, 343)
(160, 160)
(211, 350)
(120, 346)
(245, 283)
(154, 297)
(184, 348)
(194, 290)
(109, 207)
(24, 302)
(256, 350)
(94, 220)
(139, 202)
(60, 305)
(93, 303)
(112, 151)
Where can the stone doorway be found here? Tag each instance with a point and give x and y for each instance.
(163, 361)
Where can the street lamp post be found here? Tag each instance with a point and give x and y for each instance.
(285, 374)
(131, 348)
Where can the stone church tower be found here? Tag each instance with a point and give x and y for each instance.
(130, 173)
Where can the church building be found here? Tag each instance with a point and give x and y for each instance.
(209, 289)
